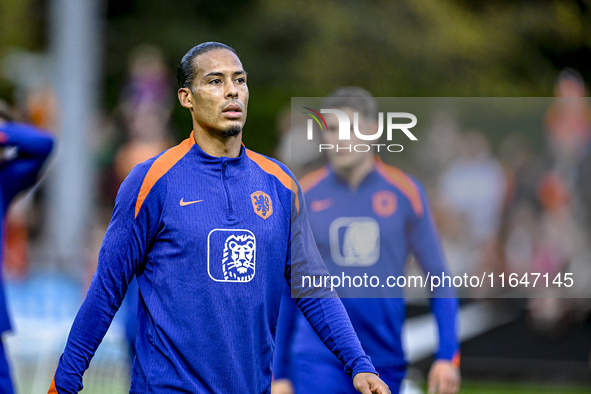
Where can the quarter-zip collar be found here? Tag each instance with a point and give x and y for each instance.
(224, 170)
(205, 158)
(342, 183)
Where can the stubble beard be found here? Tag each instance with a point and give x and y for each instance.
(232, 131)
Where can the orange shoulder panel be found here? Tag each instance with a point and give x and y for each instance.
(272, 168)
(311, 179)
(160, 167)
(402, 182)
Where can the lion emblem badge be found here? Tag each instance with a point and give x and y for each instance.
(238, 260)
(361, 243)
(231, 255)
(262, 204)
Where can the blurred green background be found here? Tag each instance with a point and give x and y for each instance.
(307, 48)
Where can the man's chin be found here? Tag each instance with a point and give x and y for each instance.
(344, 161)
(232, 131)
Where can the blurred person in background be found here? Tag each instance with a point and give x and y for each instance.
(191, 225)
(563, 232)
(26, 220)
(566, 186)
(568, 123)
(520, 224)
(385, 216)
(437, 151)
(292, 139)
(439, 147)
(473, 188)
(23, 151)
(145, 108)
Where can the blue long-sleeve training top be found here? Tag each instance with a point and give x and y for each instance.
(371, 230)
(211, 241)
(24, 149)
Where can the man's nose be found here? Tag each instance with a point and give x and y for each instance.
(231, 91)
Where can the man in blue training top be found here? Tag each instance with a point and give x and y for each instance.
(367, 217)
(23, 150)
(211, 230)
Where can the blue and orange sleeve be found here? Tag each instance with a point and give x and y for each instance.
(426, 247)
(321, 307)
(122, 251)
(284, 335)
(134, 224)
(446, 315)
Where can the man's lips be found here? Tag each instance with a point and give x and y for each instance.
(233, 111)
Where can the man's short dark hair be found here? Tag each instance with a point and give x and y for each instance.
(572, 75)
(186, 71)
(353, 97)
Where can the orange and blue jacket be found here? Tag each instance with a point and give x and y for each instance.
(211, 241)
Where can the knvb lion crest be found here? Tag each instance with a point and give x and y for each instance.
(238, 263)
(262, 204)
(231, 255)
(384, 203)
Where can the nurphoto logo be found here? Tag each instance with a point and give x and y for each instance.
(344, 133)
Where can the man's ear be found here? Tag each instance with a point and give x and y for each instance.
(186, 98)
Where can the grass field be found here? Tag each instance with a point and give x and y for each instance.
(467, 388)
(519, 388)
(119, 386)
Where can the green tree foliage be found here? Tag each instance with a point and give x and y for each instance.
(394, 48)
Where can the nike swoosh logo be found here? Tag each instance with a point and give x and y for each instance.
(183, 203)
(321, 205)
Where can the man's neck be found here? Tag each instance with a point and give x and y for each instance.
(356, 174)
(218, 145)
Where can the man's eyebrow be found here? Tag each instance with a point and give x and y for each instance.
(221, 74)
